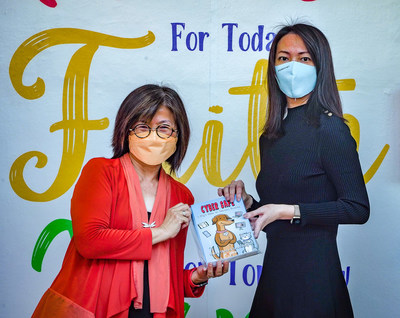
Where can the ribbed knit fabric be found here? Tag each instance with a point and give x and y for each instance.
(318, 169)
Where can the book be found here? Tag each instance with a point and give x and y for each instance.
(221, 231)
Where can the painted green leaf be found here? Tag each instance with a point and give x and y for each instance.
(186, 308)
(224, 313)
(45, 238)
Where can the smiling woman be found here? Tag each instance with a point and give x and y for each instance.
(130, 221)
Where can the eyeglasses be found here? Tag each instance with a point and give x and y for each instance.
(163, 131)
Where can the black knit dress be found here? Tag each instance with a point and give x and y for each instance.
(318, 169)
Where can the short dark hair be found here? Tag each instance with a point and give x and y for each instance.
(142, 104)
(325, 94)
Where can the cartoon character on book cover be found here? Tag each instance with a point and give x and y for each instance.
(247, 242)
(221, 230)
(224, 238)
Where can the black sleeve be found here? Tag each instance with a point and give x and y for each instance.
(340, 161)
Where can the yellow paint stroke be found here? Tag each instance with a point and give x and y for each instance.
(348, 84)
(376, 164)
(210, 149)
(75, 123)
(354, 126)
(215, 109)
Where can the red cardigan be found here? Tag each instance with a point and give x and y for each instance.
(94, 280)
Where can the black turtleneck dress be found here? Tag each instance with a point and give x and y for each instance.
(318, 169)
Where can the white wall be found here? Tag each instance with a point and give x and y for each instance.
(365, 40)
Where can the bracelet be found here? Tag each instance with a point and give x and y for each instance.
(201, 284)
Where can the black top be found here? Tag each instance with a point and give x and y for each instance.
(145, 311)
(318, 169)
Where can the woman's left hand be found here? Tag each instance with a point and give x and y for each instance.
(267, 214)
(203, 273)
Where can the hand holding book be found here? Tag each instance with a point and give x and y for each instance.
(222, 233)
(203, 273)
(178, 217)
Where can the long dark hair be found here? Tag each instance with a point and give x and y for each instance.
(142, 104)
(325, 94)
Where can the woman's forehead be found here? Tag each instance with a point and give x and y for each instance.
(163, 114)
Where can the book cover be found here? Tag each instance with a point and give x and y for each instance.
(222, 233)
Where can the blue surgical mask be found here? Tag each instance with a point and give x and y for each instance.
(296, 79)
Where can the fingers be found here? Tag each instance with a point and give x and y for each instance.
(257, 219)
(257, 229)
(225, 268)
(210, 272)
(218, 270)
(184, 215)
(253, 222)
(182, 212)
(239, 190)
(232, 189)
(178, 217)
(252, 214)
(203, 273)
(188, 217)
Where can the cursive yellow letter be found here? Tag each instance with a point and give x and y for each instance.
(75, 122)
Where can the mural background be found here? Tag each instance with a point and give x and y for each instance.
(365, 40)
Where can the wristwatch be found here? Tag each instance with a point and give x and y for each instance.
(296, 217)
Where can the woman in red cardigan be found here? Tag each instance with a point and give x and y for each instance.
(130, 221)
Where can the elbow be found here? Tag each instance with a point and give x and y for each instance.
(362, 215)
(356, 212)
(86, 247)
(83, 248)
(365, 216)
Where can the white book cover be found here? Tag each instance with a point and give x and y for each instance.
(222, 233)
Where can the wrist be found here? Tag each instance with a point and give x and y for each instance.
(158, 235)
(197, 281)
(201, 284)
(285, 211)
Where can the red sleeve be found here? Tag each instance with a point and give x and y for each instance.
(93, 202)
(190, 289)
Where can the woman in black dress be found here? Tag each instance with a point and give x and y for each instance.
(310, 181)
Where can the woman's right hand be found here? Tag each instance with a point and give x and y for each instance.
(236, 188)
(178, 217)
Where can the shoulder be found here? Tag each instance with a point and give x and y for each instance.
(263, 140)
(102, 162)
(101, 165)
(98, 173)
(180, 190)
(332, 125)
(335, 132)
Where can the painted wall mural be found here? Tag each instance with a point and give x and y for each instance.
(75, 123)
(183, 42)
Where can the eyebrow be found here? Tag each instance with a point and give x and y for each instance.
(286, 52)
(164, 121)
(159, 122)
